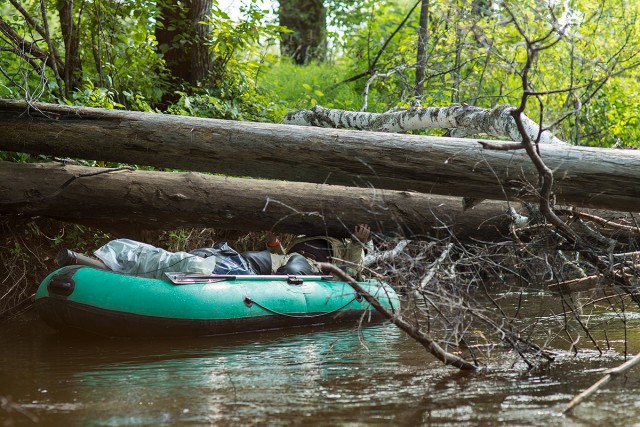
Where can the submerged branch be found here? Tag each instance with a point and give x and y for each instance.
(423, 338)
(610, 374)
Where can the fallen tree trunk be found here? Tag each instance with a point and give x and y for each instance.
(125, 201)
(460, 119)
(598, 178)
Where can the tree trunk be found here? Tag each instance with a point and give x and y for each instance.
(127, 201)
(589, 177)
(182, 39)
(465, 119)
(308, 37)
(199, 56)
(73, 64)
(423, 29)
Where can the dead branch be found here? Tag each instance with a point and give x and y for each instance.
(599, 220)
(385, 256)
(609, 375)
(580, 284)
(436, 265)
(423, 338)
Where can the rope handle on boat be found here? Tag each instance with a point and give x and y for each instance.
(250, 302)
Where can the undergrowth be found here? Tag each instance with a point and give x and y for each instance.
(302, 87)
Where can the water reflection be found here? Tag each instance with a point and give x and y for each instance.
(375, 376)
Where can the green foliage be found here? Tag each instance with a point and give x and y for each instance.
(477, 52)
(122, 56)
(300, 87)
(584, 73)
(363, 43)
(177, 240)
(21, 157)
(210, 103)
(18, 252)
(100, 97)
(92, 96)
(122, 66)
(241, 50)
(81, 238)
(116, 47)
(612, 118)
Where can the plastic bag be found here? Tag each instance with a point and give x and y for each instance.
(144, 260)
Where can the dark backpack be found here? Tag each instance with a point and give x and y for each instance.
(228, 260)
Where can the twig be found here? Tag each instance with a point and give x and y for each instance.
(610, 374)
(371, 79)
(435, 266)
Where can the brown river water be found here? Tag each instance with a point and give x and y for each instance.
(374, 376)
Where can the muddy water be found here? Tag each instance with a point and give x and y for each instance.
(317, 377)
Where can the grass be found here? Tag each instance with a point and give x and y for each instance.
(302, 87)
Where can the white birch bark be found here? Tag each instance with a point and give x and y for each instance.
(385, 256)
(464, 119)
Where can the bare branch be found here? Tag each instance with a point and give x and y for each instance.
(31, 48)
(373, 63)
(609, 375)
(427, 342)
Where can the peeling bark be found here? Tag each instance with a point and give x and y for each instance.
(465, 119)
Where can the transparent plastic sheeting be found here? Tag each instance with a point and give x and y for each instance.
(144, 260)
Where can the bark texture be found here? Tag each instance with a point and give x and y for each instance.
(127, 201)
(466, 119)
(588, 177)
(70, 34)
(176, 22)
(423, 32)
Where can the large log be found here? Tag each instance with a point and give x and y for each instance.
(127, 201)
(590, 177)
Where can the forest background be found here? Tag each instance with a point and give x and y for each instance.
(192, 58)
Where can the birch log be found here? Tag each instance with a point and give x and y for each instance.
(126, 201)
(588, 177)
(465, 119)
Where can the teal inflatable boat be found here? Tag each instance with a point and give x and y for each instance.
(102, 302)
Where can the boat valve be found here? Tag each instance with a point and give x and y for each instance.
(62, 284)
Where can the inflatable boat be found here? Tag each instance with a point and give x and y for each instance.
(81, 298)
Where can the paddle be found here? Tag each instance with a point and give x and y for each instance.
(178, 278)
